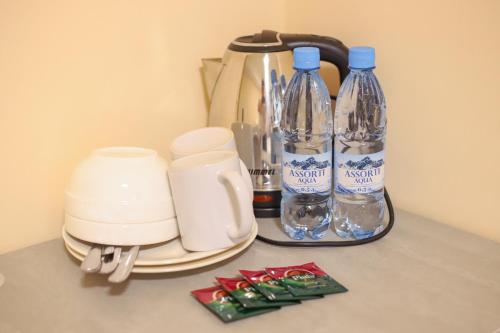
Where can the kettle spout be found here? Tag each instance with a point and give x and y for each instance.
(210, 71)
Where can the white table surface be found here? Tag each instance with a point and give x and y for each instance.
(422, 277)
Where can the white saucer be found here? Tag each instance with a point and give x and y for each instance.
(167, 253)
(187, 265)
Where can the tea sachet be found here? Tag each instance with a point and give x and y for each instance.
(218, 301)
(270, 287)
(247, 295)
(305, 280)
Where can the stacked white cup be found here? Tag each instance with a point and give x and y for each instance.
(212, 190)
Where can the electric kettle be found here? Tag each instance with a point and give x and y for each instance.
(245, 89)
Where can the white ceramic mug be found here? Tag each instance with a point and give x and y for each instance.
(213, 205)
(208, 139)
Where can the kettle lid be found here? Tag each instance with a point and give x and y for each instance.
(266, 41)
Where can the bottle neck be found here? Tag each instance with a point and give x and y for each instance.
(303, 70)
(361, 70)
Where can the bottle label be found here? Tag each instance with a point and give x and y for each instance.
(307, 173)
(359, 173)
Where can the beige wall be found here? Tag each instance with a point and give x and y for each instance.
(439, 64)
(75, 75)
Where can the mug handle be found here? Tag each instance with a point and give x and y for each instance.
(243, 225)
(246, 178)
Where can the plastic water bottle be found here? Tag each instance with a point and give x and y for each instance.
(360, 127)
(306, 129)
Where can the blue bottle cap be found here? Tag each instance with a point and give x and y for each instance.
(361, 57)
(306, 58)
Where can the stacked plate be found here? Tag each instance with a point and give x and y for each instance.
(165, 257)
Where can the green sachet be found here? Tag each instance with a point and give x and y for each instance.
(218, 301)
(307, 279)
(270, 287)
(247, 295)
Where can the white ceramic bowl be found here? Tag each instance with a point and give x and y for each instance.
(121, 196)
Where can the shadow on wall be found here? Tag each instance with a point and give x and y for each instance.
(209, 73)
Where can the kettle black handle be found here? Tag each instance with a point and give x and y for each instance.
(330, 49)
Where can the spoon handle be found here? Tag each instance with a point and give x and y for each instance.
(92, 262)
(109, 266)
(127, 260)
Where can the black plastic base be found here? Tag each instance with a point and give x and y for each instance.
(266, 212)
(266, 204)
(266, 199)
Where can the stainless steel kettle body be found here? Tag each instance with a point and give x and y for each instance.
(246, 89)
